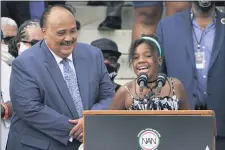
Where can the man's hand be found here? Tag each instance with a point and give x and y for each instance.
(77, 131)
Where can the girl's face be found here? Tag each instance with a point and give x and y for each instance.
(146, 60)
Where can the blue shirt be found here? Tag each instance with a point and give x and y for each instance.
(206, 46)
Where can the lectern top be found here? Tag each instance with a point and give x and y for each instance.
(151, 112)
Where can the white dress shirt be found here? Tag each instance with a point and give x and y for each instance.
(59, 59)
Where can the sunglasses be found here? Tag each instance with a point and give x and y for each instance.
(32, 42)
(7, 39)
(110, 58)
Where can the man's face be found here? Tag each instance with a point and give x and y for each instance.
(60, 32)
(112, 64)
(8, 32)
(204, 5)
(110, 59)
(34, 35)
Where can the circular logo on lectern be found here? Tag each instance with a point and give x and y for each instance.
(149, 139)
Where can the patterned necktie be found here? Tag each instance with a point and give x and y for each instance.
(71, 81)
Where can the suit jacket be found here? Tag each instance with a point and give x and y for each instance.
(175, 35)
(41, 99)
(5, 74)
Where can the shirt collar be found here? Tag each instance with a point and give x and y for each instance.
(59, 59)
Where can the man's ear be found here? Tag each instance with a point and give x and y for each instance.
(44, 32)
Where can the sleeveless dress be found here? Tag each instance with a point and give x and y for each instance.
(150, 102)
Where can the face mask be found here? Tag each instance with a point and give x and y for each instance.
(22, 48)
(4, 47)
(112, 71)
(204, 5)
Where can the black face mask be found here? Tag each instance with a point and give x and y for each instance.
(204, 5)
(112, 71)
(7, 39)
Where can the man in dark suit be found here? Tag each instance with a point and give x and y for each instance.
(52, 83)
(194, 51)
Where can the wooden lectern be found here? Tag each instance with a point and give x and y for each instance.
(149, 130)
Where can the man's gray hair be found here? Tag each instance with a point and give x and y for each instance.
(7, 21)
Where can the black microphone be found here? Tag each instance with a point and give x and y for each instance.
(142, 80)
(161, 81)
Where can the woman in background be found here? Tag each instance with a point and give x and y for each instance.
(145, 56)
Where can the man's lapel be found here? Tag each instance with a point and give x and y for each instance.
(219, 38)
(189, 39)
(57, 76)
(83, 73)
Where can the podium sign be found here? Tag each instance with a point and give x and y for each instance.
(149, 130)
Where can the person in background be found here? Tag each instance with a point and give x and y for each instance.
(37, 8)
(194, 50)
(111, 56)
(51, 3)
(28, 34)
(96, 3)
(113, 19)
(6, 106)
(145, 57)
(52, 83)
(148, 13)
(9, 29)
(17, 10)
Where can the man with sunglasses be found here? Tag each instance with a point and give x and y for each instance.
(28, 34)
(9, 29)
(111, 55)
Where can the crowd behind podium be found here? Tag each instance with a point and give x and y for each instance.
(186, 50)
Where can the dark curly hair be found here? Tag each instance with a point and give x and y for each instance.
(145, 38)
(21, 35)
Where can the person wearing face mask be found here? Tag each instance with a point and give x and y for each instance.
(194, 50)
(111, 56)
(8, 31)
(28, 34)
(5, 103)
